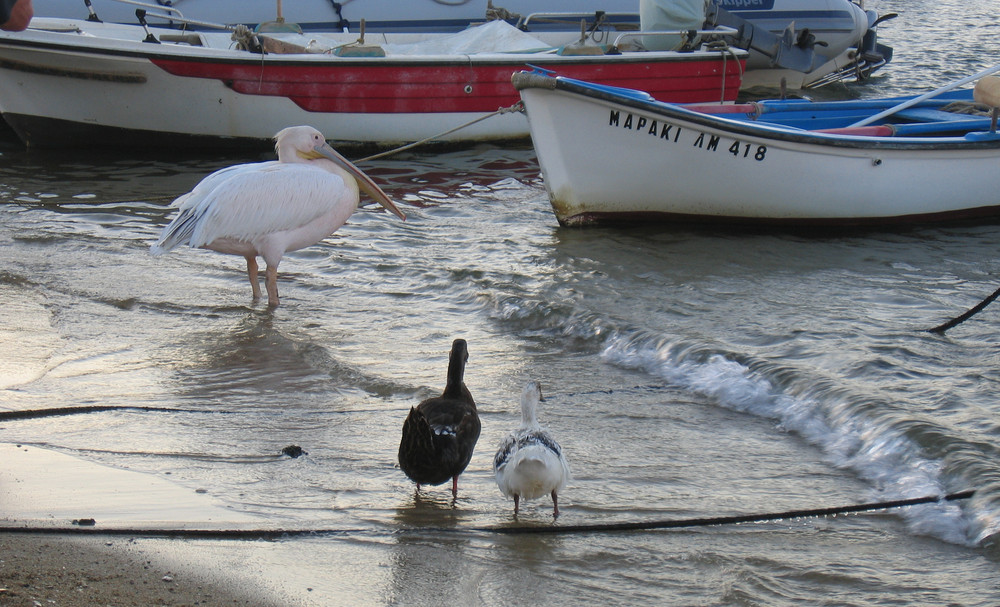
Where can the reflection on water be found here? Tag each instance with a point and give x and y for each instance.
(254, 357)
(688, 372)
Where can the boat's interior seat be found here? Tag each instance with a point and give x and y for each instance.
(933, 115)
(193, 39)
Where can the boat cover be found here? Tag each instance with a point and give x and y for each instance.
(490, 37)
(670, 16)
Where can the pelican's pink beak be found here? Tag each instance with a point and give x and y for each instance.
(365, 182)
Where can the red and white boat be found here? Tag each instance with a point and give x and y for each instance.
(66, 82)
(803, 43)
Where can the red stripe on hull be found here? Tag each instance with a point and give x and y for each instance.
(422, 88)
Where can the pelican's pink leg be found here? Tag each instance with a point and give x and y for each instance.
(517, 501)
(555, 504)
(271, 283)
(252, 273)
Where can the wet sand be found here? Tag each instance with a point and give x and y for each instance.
(48, 494)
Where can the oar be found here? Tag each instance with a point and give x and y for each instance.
(771, 106)
(186, 21)
(935, 93)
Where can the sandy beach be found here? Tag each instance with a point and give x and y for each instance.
(47, 491)
(67, 571)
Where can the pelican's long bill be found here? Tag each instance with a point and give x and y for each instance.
(364, 181)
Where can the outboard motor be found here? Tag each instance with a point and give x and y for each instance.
(824, 40)
(870, 50)
(868, 56)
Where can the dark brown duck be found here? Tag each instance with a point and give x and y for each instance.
(440, 433)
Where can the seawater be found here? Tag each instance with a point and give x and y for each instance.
(687, 373)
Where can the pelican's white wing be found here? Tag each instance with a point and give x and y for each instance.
(179, 230)
(249, 201)
(211, 182)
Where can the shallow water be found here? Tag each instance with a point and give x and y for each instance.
(687, 373)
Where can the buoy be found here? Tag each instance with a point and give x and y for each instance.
(987, 92)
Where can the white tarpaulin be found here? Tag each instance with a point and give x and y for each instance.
(670, 15)
(491, 37)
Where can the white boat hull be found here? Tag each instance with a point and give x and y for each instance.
(58, 86)
(605, 160)
(124, 98)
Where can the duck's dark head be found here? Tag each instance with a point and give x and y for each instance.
(456, 367)
(459, 352)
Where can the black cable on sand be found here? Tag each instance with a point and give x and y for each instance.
(89, 526)
(733, 520)
(56, 411)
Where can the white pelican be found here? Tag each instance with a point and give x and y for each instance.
(529, 463)
(268, 208)
(440, 433)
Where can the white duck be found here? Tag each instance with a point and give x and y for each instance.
(529, 463)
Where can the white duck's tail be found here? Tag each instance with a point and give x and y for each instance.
(535, 471)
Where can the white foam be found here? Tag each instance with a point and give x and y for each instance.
(877, 452)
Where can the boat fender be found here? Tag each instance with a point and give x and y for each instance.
(987, 92)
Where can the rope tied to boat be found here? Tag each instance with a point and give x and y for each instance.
(517, 107)
(726, 51)
(976, 309)
(970, 108)
(246, 40)
(495, 13)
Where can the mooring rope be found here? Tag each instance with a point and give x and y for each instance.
(517, 107)
(89, 527)
(87, 409)
(56, 411)
(966, 316)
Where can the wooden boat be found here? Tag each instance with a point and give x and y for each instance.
(69, 82)
(610, 155)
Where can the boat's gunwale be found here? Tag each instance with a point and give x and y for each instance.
(75, 42)
(742, 129)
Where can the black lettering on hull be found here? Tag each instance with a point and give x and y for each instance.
(672, 133)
